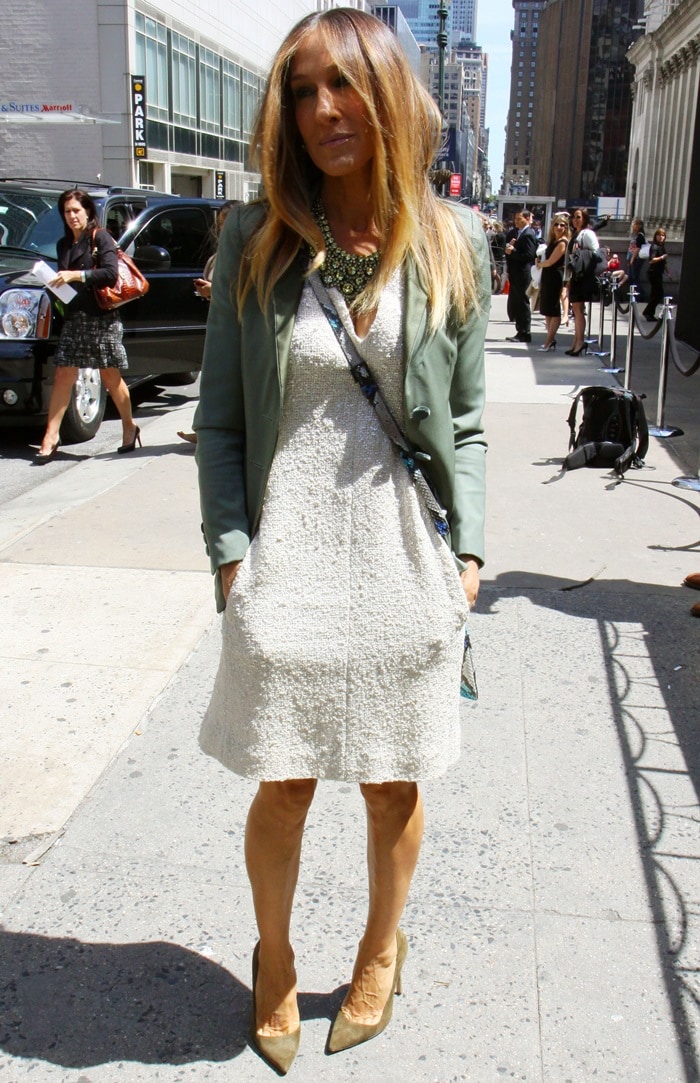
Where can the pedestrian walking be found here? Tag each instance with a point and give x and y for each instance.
(202, 286)
(634, 250)
(656, 268)
(582, 284)
(521, 252)
(344, 608)
(552, 280)
(90, 336)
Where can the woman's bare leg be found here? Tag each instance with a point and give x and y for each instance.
(394, 834)
(61, 391)
(553, 323)
(579, 324)
(113, 381)
(272, 851)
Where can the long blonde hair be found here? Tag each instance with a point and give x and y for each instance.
(406, 128)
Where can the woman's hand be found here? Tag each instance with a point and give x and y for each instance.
(63, 278)
(228, 574)
(202, 287)
(470, 579)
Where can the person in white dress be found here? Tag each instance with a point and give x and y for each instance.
(344, 607)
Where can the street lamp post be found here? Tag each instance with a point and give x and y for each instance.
(442, 48)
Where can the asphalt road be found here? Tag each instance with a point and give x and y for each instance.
(19, 473)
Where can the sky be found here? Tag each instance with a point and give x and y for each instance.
(494, 22)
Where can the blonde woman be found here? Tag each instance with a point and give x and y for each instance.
(344, 609)
(552, 280)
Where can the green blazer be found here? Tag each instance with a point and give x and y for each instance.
(242, 387)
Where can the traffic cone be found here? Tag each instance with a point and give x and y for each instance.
(506, 287)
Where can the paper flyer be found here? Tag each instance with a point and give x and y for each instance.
(46, 274)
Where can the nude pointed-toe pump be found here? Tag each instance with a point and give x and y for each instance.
(345, 1034)
(278, 1050)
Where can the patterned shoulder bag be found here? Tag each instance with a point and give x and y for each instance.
(363, 377)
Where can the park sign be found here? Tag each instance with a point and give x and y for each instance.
(138, 115)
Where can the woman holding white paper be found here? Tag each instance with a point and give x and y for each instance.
(90, 337)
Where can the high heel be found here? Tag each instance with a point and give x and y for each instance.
(546, 348)
(575, 353)
(41, 459)
(132, 446)
(345, 1034)
(278, 1051)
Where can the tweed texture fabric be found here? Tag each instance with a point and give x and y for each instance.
(342, 636)
(92, 342)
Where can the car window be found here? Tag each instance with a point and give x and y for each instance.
(118, 217)
(183, 232)
(30, 219)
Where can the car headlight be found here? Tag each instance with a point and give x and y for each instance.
(24, 314)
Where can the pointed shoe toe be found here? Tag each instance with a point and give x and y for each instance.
(279, 1052)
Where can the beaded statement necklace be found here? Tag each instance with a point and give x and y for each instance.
(348, 273)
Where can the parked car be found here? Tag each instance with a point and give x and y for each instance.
(170, 238)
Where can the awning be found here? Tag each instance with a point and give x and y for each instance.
(50, 117)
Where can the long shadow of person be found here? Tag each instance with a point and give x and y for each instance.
(80, 1004)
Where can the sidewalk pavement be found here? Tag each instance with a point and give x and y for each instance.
(554, 915)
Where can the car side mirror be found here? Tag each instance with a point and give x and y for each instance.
(152, 258)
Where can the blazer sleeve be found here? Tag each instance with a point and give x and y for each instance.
(220, 416)
(105, 268)
(467, 397)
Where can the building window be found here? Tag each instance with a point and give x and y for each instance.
(232, 100)
(209, 91)
(184, 81)
(251, 97)
(152, 63)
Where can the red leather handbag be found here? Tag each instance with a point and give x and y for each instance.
(130, 285)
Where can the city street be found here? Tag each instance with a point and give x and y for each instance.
(552, 924)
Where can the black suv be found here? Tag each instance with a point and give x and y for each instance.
(169, 237)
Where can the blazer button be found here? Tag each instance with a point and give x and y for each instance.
(420, 413)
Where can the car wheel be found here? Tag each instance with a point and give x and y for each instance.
(85, 409)
(178, 379)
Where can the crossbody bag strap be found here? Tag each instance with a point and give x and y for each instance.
(368, 385)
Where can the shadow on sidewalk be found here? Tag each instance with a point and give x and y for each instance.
(82, 1004)
(79, 1004)
(651, 651)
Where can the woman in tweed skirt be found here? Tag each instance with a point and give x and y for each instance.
(91, 337)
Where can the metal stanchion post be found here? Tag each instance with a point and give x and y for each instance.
(589, 316)
(630, 339)
(659, 429)
(689, 482)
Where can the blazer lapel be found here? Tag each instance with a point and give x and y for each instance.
(415, 313)
(285, 301)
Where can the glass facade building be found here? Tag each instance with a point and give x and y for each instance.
(198, 101)
(583, 99)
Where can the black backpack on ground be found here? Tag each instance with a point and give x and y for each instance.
(613, 432)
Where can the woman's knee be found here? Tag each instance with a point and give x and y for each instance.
(385, 798)
(287, 801)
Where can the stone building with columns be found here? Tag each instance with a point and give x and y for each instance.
(666, 60)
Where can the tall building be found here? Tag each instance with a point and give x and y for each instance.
(204, 67)
(463, 20)
(392, 15)
(666, 62)
(583, 99)
(475, 64)
(518, 152)
(422, 17)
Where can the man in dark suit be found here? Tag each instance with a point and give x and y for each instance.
(520, 256)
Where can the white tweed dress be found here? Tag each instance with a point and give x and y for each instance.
(342, 635)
